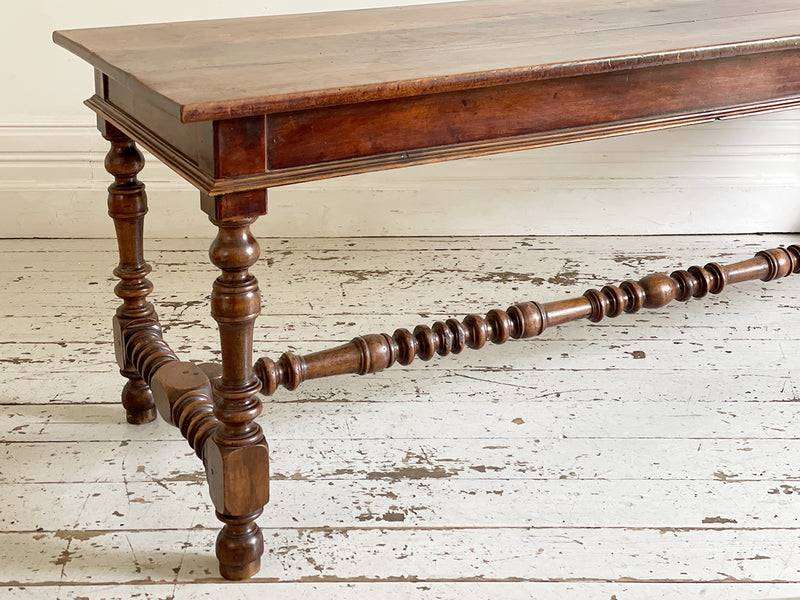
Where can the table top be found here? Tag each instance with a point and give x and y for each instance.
(217, 69)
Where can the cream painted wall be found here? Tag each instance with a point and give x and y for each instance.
(725, 177)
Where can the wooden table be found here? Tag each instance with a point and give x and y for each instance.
(238, 106)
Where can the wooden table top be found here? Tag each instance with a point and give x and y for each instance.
(207, 70)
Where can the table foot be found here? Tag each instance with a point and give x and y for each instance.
(137, 399)
(239, 547)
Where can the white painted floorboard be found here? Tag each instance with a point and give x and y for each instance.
(653, 456)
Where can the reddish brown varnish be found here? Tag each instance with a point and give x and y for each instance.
(372, 353)
(356, 130)
(127, 205)
(305, 97)
(237, 456)
(241, 105)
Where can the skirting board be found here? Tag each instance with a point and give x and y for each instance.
(730, 177)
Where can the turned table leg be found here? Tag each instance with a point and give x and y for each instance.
(127, 205)
(237, 455)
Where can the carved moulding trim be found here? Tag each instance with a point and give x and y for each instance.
(190, 171)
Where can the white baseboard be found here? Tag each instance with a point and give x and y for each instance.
(732, 177)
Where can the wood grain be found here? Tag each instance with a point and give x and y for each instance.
(127, 206)
(273, 63)
(353, 131)
(400, 591)
(202, 179)
(465, 554)
(506, 77)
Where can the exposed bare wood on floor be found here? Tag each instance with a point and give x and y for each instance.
(618, 460)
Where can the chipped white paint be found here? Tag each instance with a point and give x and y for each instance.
(652, 456)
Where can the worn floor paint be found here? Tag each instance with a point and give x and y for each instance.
(651, 456)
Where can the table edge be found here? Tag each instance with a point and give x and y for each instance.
(261, 105)
(247, 107)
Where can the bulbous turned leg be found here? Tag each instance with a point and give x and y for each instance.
(127, 205)
(237, 456)
(239, 547)
(137, 400)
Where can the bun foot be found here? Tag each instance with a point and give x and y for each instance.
(138, 401)
(240, 545)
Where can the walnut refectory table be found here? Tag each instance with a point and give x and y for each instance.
(238, 106)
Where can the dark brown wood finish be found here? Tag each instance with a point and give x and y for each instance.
(222, 69)
(193, 141)
(239, 149)
(507, 75)
(272, 178)
(182, 392)
(127, 205)
(237, 456)
(238, 106)
(359, 130)
(235, 205)
(375, 352)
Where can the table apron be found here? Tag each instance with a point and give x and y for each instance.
(367, 129)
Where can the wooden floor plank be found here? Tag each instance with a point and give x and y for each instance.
(404, 591)
(102, 386)
(651, 456)
(412, 555)
(637, 354)
(723, 243)
(426, 420)
(721, 316)
(530, 277)
(181, 502)
(396, 459)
